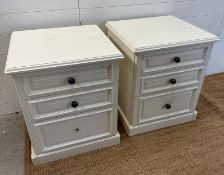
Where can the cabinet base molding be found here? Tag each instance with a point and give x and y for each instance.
(162, 123)
(75, 150)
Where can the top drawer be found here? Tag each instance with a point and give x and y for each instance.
(66, 80)
(173, 59)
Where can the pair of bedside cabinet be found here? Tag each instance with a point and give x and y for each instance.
(67, 81)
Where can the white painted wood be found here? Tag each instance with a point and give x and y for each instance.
(206, 14)
(73, 130)
(41, 108)
(115, 80)
(58, 81)
(55, 127)
(148, 73)
(26, 92)
(162, 81)
(146, 127)
(202, 76)
(40, 143)
(152, 107)
(4, 44)
(20, 6)
(166, 61)
(126, 83)
(47, 48)
(163, 59)
(37, 20)
(156, 29)
(74, 150)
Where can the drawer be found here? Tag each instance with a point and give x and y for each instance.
(43, 108)
(171, 60)
(158, 106)
(169, 80)
(70, 79)
(74, 129)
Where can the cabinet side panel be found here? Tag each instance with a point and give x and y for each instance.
(27, 114)
(125, 94)
(207, 56)
(126, 79)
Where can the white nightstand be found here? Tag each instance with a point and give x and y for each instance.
(162, 73)
(67, 83)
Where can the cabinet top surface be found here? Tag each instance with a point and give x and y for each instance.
(157, 32)
(47, 48)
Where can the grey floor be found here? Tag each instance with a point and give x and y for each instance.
(11, 145)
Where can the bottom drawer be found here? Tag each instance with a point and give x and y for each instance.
(159, 106)
(74, 129)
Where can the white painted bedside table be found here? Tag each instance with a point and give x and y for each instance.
(162, 73)
(67, 83)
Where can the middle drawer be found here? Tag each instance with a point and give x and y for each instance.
(168, 80)
(48, 107)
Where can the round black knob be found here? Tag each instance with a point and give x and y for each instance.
(168, 106)
(71, 80)
(173, 81)
(74, 104)
(177, 59)
(76, 129)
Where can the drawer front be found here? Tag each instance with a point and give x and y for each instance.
(170, 80)
(171, 60)
(44, 108)
(74, 129)
(61, 81)
(161, 106)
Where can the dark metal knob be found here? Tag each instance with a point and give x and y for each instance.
(168, 106)
(71, 80)
(76, 129)
(173, 81)
(177, 59)
(74, 104)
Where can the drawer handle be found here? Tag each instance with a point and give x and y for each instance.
(71, 80)
(77, 129)
(173, 81)
(168, 106)
(177, 59)
(75, 104)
